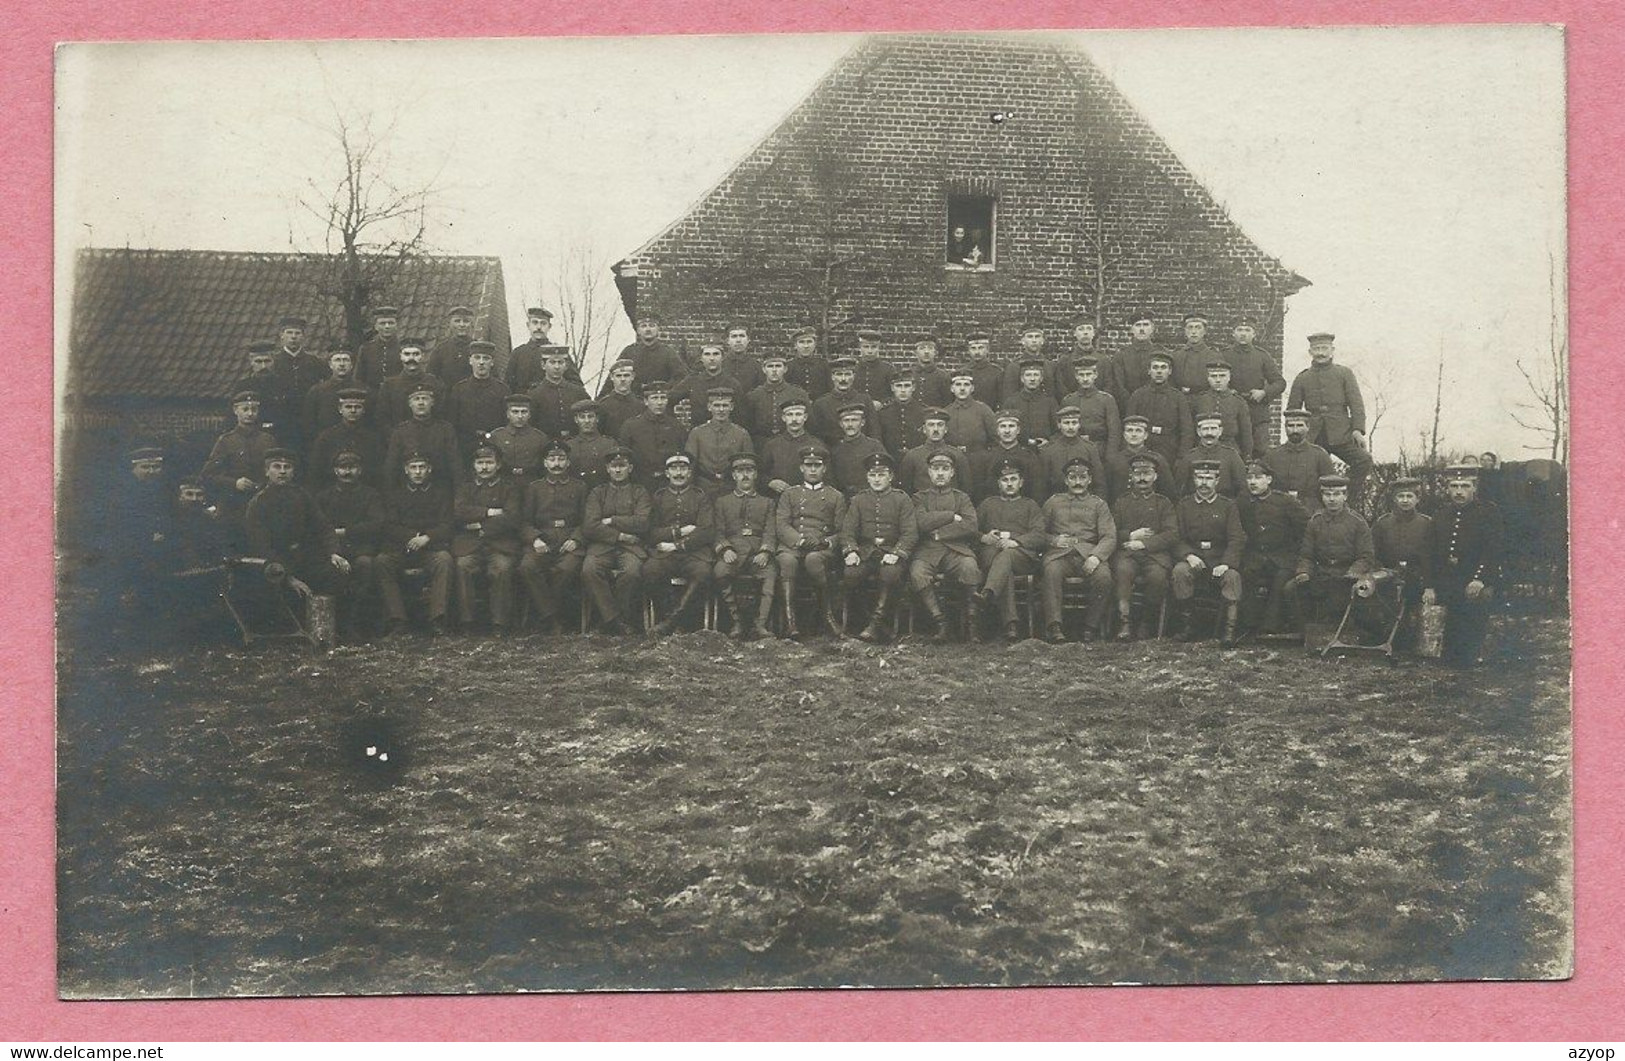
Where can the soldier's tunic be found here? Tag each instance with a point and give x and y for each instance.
(588, 453)
(550, 407)
(1274, 525)
(652, 439)
(275, 410)
(1336, 410)
(1117, 469)
(377, 359)
(1252, 369)
(971, 425)
(711, 444)
(810, 373)
(1404, 545)
(1336, 548)
(1037, 411)
(525, 366)
(483, 542)
(984, 470)
(356, 513)
(1298, 467)
(932, 384)
(300, 372)
(1098, 417)
(1190, 366)
(1467, 547)
(1055, 454)
(1238, 420)
(1066, 370)
(1022, 521)
(1133, 368)
(392, 406)
(285, 525)
(898, 425)
(1010, 381)
(948, 533)
(781, 460)
(321, 407)
(873, 379)
(1150, 565)
(655, 360)
(823, 416)
(744, 524)
(550, 511)
(746, 368)
(449, 359)
(849, 462)
(877, 523)
(432, 437)
(696, 385)
(410, 511)
(670, 511)
(615, 409)
(807, 522)
(1088, 519)
(237, 454)
(521, 452)
(1232, 469)
(476, 407)
(987, 382)
(1210, 530)
(759, 413)
(612, 567)
(361, 441)
(1172, 429)
(911, 473)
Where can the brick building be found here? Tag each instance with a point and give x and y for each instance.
(844, 216)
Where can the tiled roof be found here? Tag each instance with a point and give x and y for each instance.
(174, 324)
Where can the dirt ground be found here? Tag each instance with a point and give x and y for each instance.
(558, 813)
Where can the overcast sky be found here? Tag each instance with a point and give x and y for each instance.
(1416, 175)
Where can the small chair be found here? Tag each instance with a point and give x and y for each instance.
(1390, 597)
(708, 609)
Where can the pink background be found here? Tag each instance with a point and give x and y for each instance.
(1574, 1011)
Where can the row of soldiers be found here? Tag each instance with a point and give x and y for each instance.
(615, 540)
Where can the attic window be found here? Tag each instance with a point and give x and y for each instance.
(969, 238)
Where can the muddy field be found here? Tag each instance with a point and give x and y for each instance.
(560, 813)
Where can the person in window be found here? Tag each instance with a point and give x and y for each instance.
(965, 247)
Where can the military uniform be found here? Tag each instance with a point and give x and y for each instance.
(1274, 525)
(1232, 469)
(1097, 414)
(1149, 565)
(340, 438)
(1054, 455)
(931, 384)
(1403, 542)
(876, 523)
(984, 477)
(971, 425)
(1133, 368)
(898, 425)
(849, 461)
(551, 512)
(286, 526)
(615, 409)
(377, 359)
(237, 454)
(744, 527)
(1467, 547)
(759, 412)
(1336, 549)
(449, 359)
(745, 368)
(1037, 411)
(987, 382)
(525, 365)
(612, 568)
(1010, 381)
(1117, 469)
(321, 406)
(654, 360)
(1231, 409)
(392, 407)
(807, 522)
(552, 403)
(911, 473)
(486, 539)
(1298, 469)
(696, 385)
(1169, 414)
(948, 534)
(432, 437)
(1336, 411)
(275, 410)
(823, 415)
(1211, 531)
(1089, 520)
(1190, 366)
(520, 450)
(409, 512)
(652, 439)
(810, 373)
(1018, 519)
(475, 407)
(356, 512)
(873, 379)
(711, 444)
(1252, 369)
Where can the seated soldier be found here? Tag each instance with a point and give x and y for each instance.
(1080, 537)
(485, 539)
(682, 527)
(849, 456)
(1466, 567)
(1337, 553)
(423, 432)
(589, 447)
(350, 435)
(714, 442)
(417, 533)
(1210, 540)
(519, 443)
(614, 521)
(356, 512)
(807, 523)
(948, 533)
(550, 515)
(1403, 539)
(877, 534)
(236, 466)
(1147, 531)
(911, 473)
(197, 538)
(744, 547)
(288, 530)
(1013, 539)
(654, 434)
(1274, 522)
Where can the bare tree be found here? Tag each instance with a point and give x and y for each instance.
(1546, 413)
(1380, 384)
(372, 222)
(1438, 409)
(574, 283)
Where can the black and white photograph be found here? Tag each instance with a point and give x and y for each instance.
(701, 513)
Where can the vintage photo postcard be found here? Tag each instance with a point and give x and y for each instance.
(811, 511)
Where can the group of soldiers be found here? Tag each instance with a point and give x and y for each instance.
(1110, 479)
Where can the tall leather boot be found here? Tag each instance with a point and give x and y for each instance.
(826, 606)
(876, 629)
(933, 608)
(968, 614)
(764, 614)
(1228, 638)
(730, 611)
(790, 630)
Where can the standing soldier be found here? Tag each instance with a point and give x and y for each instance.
(1209, 447)
(913, 474)
(519, 444)
(264, 381)
(1231, 408)
(878, 532)
(930, 379)
(1467, 543)
(321, 408)
(478, 403)
(525, 362)
(760, 415)
(1086, 347)
(808, 369)
(287, 529)
(1007, 448)
(589, 447)
(1031, 402)
(807, 522)
(1031, 353)
(1147, 532)
(235, 469)
(486, 539)
(744, 366)
(393, 406)
(682, 528)
(1099, 421)
(780, 467)
(1080, 538)
(553, 396)
(350, 435)
(970, 422)
(619, 403)
(1013, 539)
(1337, 551)
(1119, 461)
(824, 416)
(417, 533)
(380, 356)
(1134, 360)
(898, 422)
(654, 434)
(849, 457)
(1336, 410)
(1191, 364)
(651, 356)
(1210, 540)
(614, 521)
(1068, 442)
(1403, 539)
(356, 512)
(424, 433)
(714, 442)
(299, 370)
(873, 375)
(744, 548)
(550, 518)
(1167, 412)
(948, 534)
(1298, 464)
(1255, 376)
(710, 373)
(1274, 523)
(449, 358)
(987, 375)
